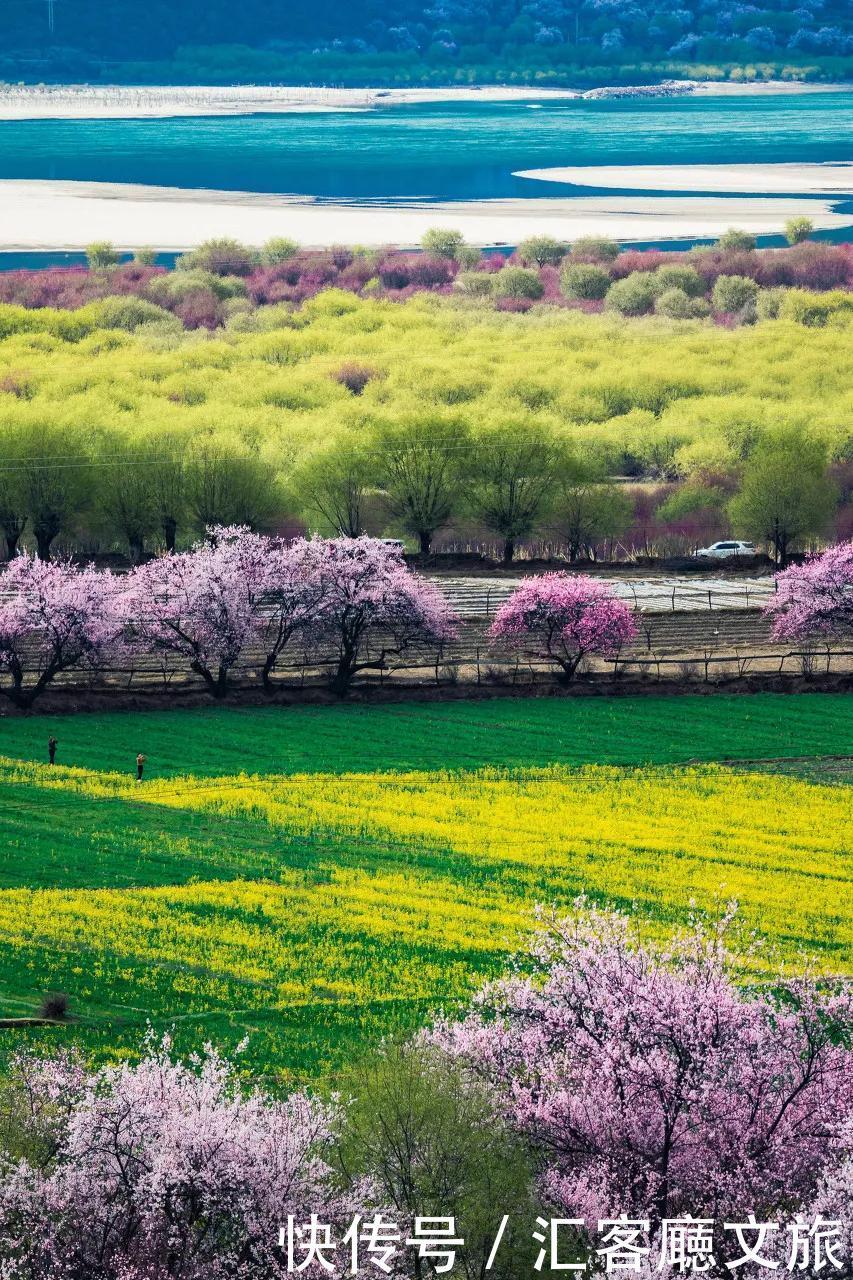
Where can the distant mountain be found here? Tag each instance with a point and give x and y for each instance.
(395, 41)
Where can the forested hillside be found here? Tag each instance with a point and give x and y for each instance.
(582, 41)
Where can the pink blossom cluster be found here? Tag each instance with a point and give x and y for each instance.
(71, 287)
(160, 1170)
(53, 617)
(373, 608)
(234, 595)
(651, 1085)
(564, 617)
(815, 598)
(834, 1198)
(811, 265)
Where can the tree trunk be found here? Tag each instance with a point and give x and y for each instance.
(217, 685)
(44, 537)
(21, 698)
(170, 532)
(568, 667)
(12, 540)
(137, 550)
(425, 537)
(342, 679)
(509, 550)
(783, 550)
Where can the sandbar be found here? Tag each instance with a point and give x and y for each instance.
(104, 102)
(825, 179)
(52, 215)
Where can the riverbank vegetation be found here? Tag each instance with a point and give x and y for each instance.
(224, 284)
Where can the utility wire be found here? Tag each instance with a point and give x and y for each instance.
(406, 453)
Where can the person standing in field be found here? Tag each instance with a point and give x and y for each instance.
(140, 764)
(51, 749)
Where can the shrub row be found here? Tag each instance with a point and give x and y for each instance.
(223, 283)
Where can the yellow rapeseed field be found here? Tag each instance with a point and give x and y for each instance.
(410, 887)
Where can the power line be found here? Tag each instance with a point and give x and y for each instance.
(70, 461)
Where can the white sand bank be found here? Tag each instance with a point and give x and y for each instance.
(82, 102)
(828, 179)
(104, 102)
(69, 215)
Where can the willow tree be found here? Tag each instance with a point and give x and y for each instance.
(587, 509)
(544, 251)
(228, 483)
(52, 468)
(13, 516)
(418, 461)
(511, 477)
(334, 482)
(169, 482)
(786, 494)
(127, 495)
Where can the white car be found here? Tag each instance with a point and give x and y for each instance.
(725, 550)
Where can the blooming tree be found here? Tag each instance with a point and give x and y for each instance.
(291, 596)
(54, 617)
(163, 1170)
(373, 607)
(200, 605)
(564, 617)
(651, 1085)
(835, 1192)
(815, 598)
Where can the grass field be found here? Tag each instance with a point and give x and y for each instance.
(314, 877)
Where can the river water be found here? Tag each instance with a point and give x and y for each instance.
(429, 151)
(441, 151)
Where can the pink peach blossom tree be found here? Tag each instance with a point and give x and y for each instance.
(815, 599)
(651, 1085)
(54, 617)
(834, 1196)
(162, 1171)
(564, 618)
(373, 607)
(292, 591)
(200, 605)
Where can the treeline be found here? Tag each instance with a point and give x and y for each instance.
(576, 41)
(535, 65)
(507, 483)
(426, 420)
(203, 609)
(242, 599)
(224, 284)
